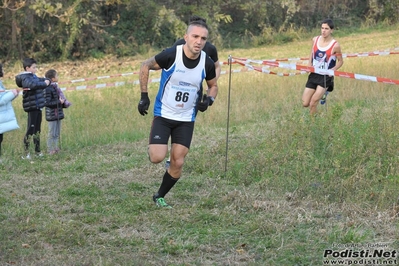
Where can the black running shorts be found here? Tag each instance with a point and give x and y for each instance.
(180, 132)
(324, 81)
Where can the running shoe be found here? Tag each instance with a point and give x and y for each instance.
(167, 164)
(324, 98)
(27, 157)
(160, 202)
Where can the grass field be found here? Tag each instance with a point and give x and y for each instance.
(293, 186)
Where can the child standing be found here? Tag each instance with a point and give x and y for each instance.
(8, 120)
(32, 102)
(55, 101)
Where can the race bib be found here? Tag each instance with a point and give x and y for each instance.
(182, 97)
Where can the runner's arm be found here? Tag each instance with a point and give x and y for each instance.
(146, 66)
(338, 53)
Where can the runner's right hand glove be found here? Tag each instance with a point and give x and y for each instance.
(144, 103)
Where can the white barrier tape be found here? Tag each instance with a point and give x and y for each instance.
(106, 85)
(374, 53)
(102, 77)
(274, 60)
(364, 54)
(111, 76)
(97, 78)
(249, 67)
(266, 71)
(135, 82)
(322, 71)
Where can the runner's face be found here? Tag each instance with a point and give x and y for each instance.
(325, 30)
(196, 37)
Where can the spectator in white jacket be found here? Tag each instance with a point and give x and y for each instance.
(8, 120)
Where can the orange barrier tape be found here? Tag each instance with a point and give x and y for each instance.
(320, 71)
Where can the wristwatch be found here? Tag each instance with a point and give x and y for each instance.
(212, 100)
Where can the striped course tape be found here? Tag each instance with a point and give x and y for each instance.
(356, 76)
(245, 62)
(135, 82)
(122, 83)
(105, 85)
(364, 54)
(101, 77)
(320, 71)
(111, 76)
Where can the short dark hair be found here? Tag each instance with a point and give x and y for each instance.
(329, 22)
(28, 62)
(198, 21)
(50, 74)
(1, 70)
(197, 18)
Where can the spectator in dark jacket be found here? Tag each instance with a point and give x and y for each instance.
(55, 101)
(32, 102)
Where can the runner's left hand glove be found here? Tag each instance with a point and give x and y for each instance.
(144, 103)
(206, 101)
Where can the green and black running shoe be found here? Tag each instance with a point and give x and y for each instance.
(160, 202)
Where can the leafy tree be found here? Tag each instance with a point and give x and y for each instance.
(77, 29)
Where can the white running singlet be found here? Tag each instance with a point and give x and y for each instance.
(179, 89)
(322, 56)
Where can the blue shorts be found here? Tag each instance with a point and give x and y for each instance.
(162, 129)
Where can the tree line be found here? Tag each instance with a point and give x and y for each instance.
(78, 29)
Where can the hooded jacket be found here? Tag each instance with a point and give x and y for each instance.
(32, 96)
(54, 108)
(8, 120)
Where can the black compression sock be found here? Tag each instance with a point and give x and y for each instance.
(167, 183)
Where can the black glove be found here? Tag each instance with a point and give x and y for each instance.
(202, 106)
(144, 103)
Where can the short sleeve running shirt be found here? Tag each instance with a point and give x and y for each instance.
(180, 85)
(209, 49)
